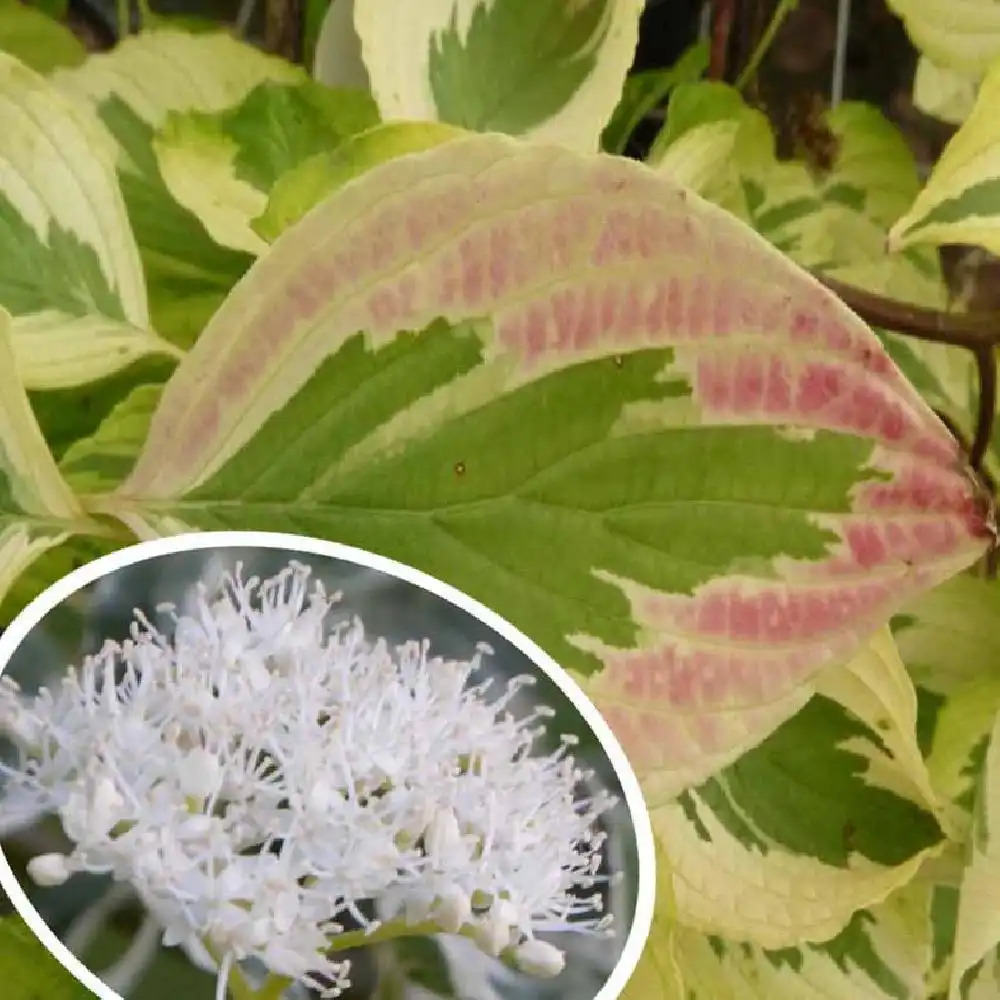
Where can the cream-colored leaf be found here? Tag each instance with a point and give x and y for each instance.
(196, 162)
(40, 510)
(947, 94)
(961, 200)
(545, 68)
(884, 954)
(957, 34)
(56, 351)
(876, 688)
(337, 61)
(71, 243)
(165, 70)
(977, 935)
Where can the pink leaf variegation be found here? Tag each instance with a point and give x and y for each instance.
(615, 414)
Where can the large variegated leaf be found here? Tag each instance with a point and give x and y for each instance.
(70, 273)
(949, 642)
(977, 936)
(828, 815)
(614, 414)
(37, 508)
(883, 954)
(961, 201)
(132, 89)
(551, 69)
(222, 166)
(657, 976)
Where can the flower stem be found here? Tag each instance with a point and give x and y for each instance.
(784, 8)
(123, 12)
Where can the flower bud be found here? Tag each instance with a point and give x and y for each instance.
(539, 958)
(49, 869)
(199, 774)
(453, 910)
(443, 837)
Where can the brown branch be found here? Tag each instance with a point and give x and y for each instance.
(986, 366)
(977, 332)
(723, 18)
(283, 34)
(969, 330)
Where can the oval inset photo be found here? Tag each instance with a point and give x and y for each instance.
(278, 767)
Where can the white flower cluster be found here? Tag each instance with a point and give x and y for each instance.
(262, 775)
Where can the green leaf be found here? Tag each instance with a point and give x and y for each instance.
(70, 272)
(827, 815)
(421, 962)
(222, 166)
(961, 200)
(884, 953)
(67, 415)
(49, 568)
(36, 39)
(516, 64)
(102, 460)
(948, 640)
(977, 935)
(37, 509)
(187, 272)
(646, 90)
(539, 67)
(306, 185)
(57, 9)
(30, 971)
(614, 413)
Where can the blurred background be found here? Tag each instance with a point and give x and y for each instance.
(103, 923)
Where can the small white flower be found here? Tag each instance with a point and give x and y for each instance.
(262, 777)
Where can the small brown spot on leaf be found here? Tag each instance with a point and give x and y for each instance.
(460, 468)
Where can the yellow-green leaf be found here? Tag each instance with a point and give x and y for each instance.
(304, 186)
(831, 813)
(961, 200)
(977, 936)
(37, 509)
(36, 39)
(56, 351)
(948, 94)
(65, 237)
(957, 34)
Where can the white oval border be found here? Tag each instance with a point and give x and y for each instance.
(93, 571)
